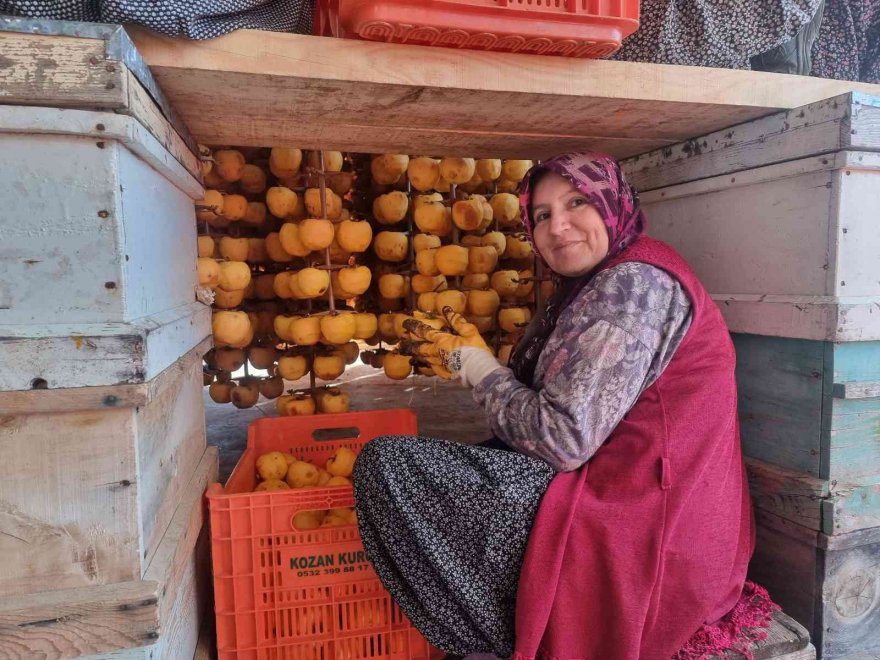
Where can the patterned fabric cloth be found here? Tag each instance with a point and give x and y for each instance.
(609, 345)
(195, 19)
(446, 526)
(718, 33)
(848, 45)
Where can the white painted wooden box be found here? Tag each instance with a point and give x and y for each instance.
(780, 218)
(97, 254)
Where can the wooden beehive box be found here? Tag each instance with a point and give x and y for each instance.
(101, 343)
(778, 218)
(98, 225)
(97, 491)
(830, 584)
(91, 477)
(775, 217)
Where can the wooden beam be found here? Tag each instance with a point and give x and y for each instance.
(264, 88)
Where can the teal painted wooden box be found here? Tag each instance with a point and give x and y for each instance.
(810, 422)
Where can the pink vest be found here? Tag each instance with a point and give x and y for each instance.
(633, 552)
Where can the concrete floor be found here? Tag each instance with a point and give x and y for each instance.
(444, 409)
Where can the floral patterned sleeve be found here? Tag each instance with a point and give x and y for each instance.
(610, 344)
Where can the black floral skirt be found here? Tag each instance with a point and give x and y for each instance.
(195, 19)
(446, 526)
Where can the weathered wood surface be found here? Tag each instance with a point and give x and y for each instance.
(96, 355)
(831, 507)
(785, 249)
(171, 445)
(101, 126)
(90, 506)
(76, 622)
(147, 113)
(75, 72)
(182, 569)
(780, 400)
(68, 501)
(58, 71)
(813, 457)
(850, 121)
(792, 495)
(831, 584)
(257, 88)
(157, 617)
(111, 241)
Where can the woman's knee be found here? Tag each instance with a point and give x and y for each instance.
(377, 455)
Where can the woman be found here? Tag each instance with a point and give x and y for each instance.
(618, 523)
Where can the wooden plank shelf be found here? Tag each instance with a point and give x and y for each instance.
(254, 88)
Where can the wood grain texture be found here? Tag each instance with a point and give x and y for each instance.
(76, 622)
(71, 72)
(792, 495)
(780, 400)
(97, 355)
(181, 567)
(237, 88)
(830, 584)
(59, 71)
(93, 509)
(144, 109)
(171, 444)
(849, 121)
(68, 501)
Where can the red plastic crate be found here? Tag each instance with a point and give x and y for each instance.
(570, 28)
(280, 592)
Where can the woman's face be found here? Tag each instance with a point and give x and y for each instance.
(568, 230)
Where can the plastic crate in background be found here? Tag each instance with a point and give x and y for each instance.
(570, 28)
(285, 593)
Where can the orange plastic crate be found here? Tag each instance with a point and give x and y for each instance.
(285, 593)
(571, 28)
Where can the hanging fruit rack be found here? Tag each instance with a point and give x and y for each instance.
(276, 260)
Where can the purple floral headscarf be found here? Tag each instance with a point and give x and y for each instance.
(601, 180)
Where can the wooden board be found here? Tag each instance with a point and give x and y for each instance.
(831, 585)
(76, 72)
(76, 622)
(157, 617)
(91, 507)
(780, 400)
(785, 249)
(98, 355)
(58, 71)
(68, 501)
(111, 241)
(264, 89)
(182, 568)
(851, 121)
(812, 454)
(171, 444)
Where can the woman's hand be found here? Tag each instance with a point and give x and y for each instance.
(441, 348)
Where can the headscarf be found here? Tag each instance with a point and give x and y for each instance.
(602, 182)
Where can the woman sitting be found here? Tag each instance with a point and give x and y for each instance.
(610, 516)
